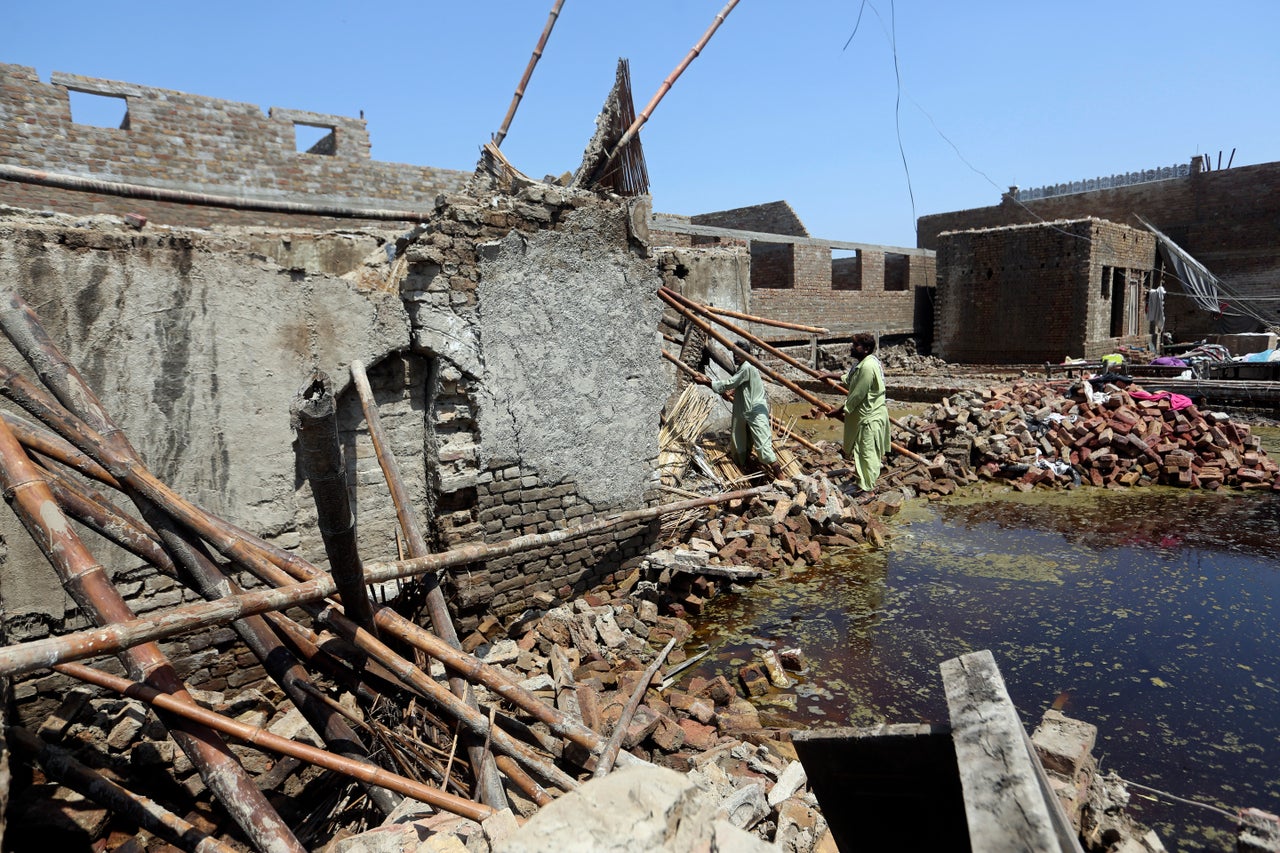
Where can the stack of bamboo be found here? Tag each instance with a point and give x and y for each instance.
(76, 464)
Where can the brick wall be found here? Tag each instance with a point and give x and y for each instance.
(500, 497)
(775, 217)
(1032, 293)
(803, 283)
(189, 142)
(1229, 220)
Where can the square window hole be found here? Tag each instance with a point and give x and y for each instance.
(99, 110)
(314, 138)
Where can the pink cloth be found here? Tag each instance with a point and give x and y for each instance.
(1177, 401)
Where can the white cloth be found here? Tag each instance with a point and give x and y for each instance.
(1155, 306)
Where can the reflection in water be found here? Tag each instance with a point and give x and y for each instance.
(1151, 614)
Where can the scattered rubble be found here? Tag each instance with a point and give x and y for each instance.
(1041, 434)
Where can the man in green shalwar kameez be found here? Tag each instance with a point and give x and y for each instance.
(751, 426)
(866, 416)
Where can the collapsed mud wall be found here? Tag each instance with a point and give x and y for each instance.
(510, 345)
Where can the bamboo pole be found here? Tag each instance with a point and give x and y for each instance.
(707, 313)
(610, 754)
(524, 781)
(413, 677)
(142, 811)
(107, 520)
(248, 551)
(265, 740)
(701, 379)
(487, 781)
(766, 321)
(314, 413)
(23, 328)
(27, 657)
(50, 444)
(692, 316)
(662, 90)
(131, 472)
(831, 411)
(87, 582)
(528, 72)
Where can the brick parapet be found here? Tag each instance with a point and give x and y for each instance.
(176, 140)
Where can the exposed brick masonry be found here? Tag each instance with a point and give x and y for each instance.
(199, 144)
(1229, 220)
(1033, 293)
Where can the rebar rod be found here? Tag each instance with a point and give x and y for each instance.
(487, 781)
(263, 739)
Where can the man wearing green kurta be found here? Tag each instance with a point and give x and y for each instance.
(866, 416)
(750, 411)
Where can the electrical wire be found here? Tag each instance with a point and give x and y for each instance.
(1236, 305)
(856, 24)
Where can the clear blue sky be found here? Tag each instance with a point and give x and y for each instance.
(776, 107)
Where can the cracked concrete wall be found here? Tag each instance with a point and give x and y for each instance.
(196, 352)
(512, 344)
(572, 381)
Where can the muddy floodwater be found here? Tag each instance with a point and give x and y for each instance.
(1150, 613)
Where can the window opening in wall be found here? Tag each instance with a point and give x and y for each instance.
(99, 110)
(773, 265)
(846, 269)
(1126, 297)
(315, 138)
(1107, 273)
(897, 272)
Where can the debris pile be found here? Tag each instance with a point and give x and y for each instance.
(1033, 433)
(389, 720)
(588, 657)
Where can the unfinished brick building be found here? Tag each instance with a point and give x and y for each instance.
(1228, 219)
(190, 143)
(1041, 292)
(841, 286)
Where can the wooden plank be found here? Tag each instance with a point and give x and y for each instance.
(1003, 802)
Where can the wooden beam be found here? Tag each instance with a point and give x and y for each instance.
(1004, 803)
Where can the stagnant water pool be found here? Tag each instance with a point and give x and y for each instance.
(1150, 613)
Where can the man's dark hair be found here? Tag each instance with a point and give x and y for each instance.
(746, 346)
(864, 340)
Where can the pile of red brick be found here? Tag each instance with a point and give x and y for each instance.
(1034, 433)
